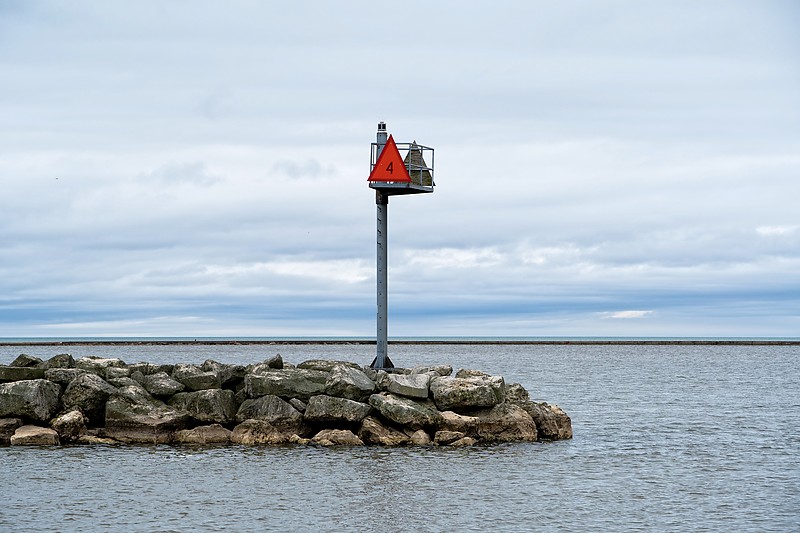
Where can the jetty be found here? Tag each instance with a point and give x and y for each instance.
(105, 401)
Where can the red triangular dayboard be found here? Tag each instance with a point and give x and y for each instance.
(390, 166)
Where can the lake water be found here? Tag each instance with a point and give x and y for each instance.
(667, 438)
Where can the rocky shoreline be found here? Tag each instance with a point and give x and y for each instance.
(96, 400)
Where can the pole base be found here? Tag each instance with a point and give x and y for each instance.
(389, 364)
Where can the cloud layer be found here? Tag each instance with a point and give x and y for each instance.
(618, 168)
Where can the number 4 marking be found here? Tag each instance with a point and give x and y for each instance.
(390, 168)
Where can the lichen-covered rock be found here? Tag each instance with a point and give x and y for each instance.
(410, 386)
(300, 405)
(63, 376)
(372, 431)
(433, 371)
(345, 381)
(19, 373)
(35, 399)
(337, 437)
(405, 411)
(252, 432)
(505, 422)
(161, 385)
(279, 413)
(286, 383)
(132, 415)
(26, 361)
(459, 394)
(7, 428)
(551, 421)
(324, 408)
(194, 378)
(210, 405)
(228, 375)
(114, 372)
(211, 434)
(470, 373)
(34, 436)
(88, 392)
(69, 425)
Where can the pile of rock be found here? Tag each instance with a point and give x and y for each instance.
(100, 400)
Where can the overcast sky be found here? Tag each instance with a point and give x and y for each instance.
(603, 168)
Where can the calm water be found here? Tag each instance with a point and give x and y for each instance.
(698, 438)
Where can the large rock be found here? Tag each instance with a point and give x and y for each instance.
(459, 394)
(88, 392)
(345, 381)
(63, 376)
(212, 434)
(551, 421)
(286, 383)
(421, 438)
(516, 393)
(409, 385)
(35, 399)
(26, 361)
(372, 431)
(132, 415)
(462, 423)
(19, 373)
(279, 413)
(325, 365)
(62, 360)
(34, 436)
(433, 371)
(211, 405)
(161, 385)
(252, 432)
(195, 378)
(98, 365)
(444, 437)
(70, 425)
(7, 428)
(337, 437)
(505, 422)
(229, 375)
(405, 411)
(324, 408)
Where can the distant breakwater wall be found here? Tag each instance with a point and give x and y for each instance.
(407, 342)
(95, 400)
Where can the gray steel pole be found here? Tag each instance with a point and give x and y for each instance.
(382, 203)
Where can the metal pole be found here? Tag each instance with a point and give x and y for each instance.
(382, 203)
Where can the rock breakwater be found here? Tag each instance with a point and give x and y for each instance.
(96, 400)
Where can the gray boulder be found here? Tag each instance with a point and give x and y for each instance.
(132, 415)
(516, 393)
(336, 437)
(348, 382)
(551, 421)
(444, 437)
(35, 399)
(160, 384)
(62, 360)
(34, 436)
(458, 394)
(97, 365)
(70, 425)
(279, 413)
(505, 422)
(372, 431)
(287, 383)
(207, 406)
(252, 432)
(324, 408)
(421, 438)
(26, 361)
(405, 411)
(20, 373)
(212, 434)
(300, 405)
(433, 371)
(228, 375)
(410, 386)
(7, 428)
(194, 378)
(462, 423)
(63, 376)
(88, 392)
(325, 365)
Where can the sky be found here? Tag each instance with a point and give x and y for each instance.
(603, 168)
